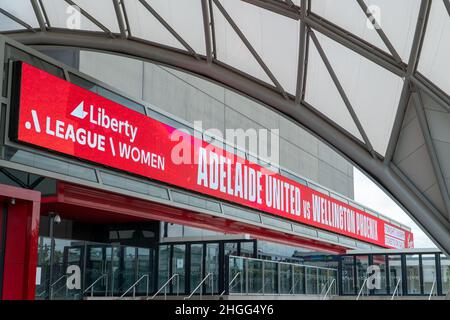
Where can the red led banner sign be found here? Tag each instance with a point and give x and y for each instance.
(59, 116)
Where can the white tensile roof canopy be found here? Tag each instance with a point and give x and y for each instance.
(369, 77)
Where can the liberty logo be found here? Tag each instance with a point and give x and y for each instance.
(79, 111)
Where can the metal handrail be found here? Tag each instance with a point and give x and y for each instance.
(396, 289)
(432, 289)
(53, 284)
(263, 285)
(282, 262)
(324, 287)
(176, 275)
(362, 287)
(94, 283)
(59, 279)
(293, 287)
(229, 283)
(329, 289)
(134, 287)
(200, 285)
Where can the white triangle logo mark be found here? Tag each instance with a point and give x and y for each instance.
(79, 111)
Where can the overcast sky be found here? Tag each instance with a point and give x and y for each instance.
(370, 195)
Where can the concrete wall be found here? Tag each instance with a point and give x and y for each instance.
(192, 98)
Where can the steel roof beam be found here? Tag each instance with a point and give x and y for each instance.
(16, 20)
(423, 122)
(39, 16)
(342, 92)
(90, 18)
(414, 56)
(44, 12)
(213, 29)
(301, 68)
(336, 33)
(250, 48)
(282, 8)
(120, 18)
(434, 92)
(207, 30)
(379, 30)
(168, 27)
(447, 5)
(356, 44)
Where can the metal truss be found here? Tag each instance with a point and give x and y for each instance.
(379, 168)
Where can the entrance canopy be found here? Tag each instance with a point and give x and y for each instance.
(370, 78)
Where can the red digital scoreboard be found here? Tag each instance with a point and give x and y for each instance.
(61, 117)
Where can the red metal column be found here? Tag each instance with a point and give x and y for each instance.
(22, 233)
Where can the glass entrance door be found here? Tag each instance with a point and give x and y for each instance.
(69, 284)
(179, 267)
(212, 267)
(97, 270)
(196, 270)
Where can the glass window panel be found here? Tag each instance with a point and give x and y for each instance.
(174, 230)
(362, 263)
(50, 164)
(230, 248)
(133, 185)
(299, 280)
(236, 275)
(434, 62)
(395, 273)
(115, 264)
(243, 214)
(129, 268)
(324, 280)
(380, 261)
(247, 249)
(43, 265)
(445, 274)
(311, 281)
(179, 266)
(429, 273)
(285, 278)
(270, 277)
(413, 274)
(95, 268)
(144, 267)
(348, 275)
(212, 266)
(255, 276)
(196, 274)
(163, 265)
